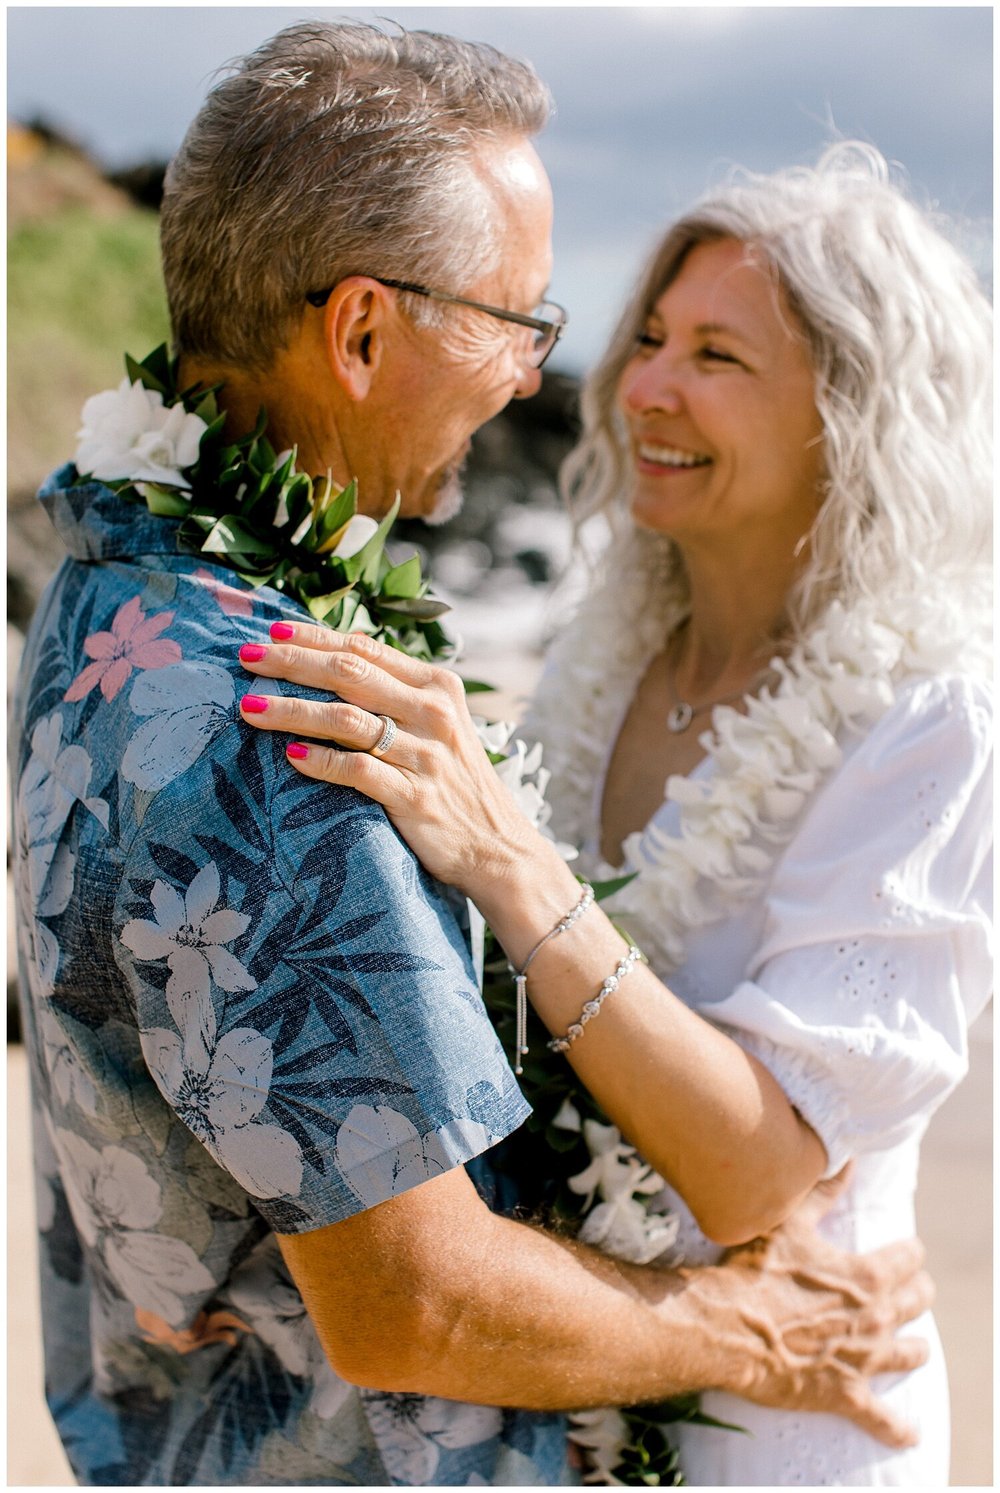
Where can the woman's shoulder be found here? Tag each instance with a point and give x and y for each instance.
(913, 786)
(948, 712)
(961, 692)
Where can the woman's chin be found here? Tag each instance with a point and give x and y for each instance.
(657, 517)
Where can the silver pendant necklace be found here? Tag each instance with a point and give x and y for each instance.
(682, 712)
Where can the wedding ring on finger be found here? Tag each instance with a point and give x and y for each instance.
(387, 738)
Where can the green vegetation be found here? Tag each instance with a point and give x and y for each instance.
(82, 289)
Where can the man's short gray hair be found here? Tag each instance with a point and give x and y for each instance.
(335, 149)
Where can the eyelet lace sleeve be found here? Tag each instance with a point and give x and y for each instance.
(876, 948)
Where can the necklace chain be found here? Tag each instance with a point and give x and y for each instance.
(682, 712)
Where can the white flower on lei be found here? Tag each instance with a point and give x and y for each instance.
(354, 536)
(620, 1225)
(523, 775)
(604, 1435)
(411, 1430)
(129, 434)
(116, 1204)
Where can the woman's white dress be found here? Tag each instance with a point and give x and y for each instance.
(852, 973)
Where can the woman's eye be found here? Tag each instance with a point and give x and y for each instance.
(716, 355)
(648, 340)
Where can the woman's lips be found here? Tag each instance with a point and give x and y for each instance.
(656, 458)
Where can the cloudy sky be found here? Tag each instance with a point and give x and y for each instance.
(653, 103)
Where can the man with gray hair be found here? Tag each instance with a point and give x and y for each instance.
(265, 1087)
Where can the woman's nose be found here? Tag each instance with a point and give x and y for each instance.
(651, 385)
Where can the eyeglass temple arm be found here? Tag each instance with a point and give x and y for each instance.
(442, 295)
(320, 297)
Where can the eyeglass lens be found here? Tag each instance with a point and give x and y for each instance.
(543, 342)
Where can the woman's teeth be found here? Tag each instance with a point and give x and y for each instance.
(669, 456)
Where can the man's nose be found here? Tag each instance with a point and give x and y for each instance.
(528, 383)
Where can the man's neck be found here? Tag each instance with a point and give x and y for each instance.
(292, 420)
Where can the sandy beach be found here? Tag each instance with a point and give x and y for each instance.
(954, 1209)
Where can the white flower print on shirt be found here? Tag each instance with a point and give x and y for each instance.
(190, 934)
(410, 1431)
(217, 1086)
(218, 1089)
(381, 1153)
(55, 778)
(188, 704)
(49, 871)
(116, 1205)
(70, 1079)
(264, 1295)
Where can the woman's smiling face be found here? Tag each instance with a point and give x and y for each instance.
(719, 402)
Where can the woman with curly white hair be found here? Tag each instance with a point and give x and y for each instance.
(772, 711)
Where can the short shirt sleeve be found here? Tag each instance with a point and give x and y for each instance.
(305, 996)
(876, 949)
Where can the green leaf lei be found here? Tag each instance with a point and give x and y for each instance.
(274, 526)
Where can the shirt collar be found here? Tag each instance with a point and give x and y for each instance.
(95, 523)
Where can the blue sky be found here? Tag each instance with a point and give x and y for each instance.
(653, 103)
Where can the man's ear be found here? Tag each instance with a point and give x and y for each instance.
(354, 330)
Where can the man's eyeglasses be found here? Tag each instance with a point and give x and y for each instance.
(547, 321)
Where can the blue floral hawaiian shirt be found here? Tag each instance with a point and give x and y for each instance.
(247, 1009)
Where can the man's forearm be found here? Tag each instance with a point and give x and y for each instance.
(431, 1293)
(503, 1313)
(558, 1326)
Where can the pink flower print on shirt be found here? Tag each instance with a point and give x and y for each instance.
(132, 643)
(233, 602)
(206, 1329)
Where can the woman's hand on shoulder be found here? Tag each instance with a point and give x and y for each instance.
(430, 773)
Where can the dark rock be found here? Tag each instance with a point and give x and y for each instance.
(143, 183)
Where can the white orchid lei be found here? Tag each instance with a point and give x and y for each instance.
(244, 506)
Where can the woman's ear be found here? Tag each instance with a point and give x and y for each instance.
(354, 329)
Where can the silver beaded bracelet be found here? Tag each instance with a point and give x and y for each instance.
(590, 1010)
(521, 975)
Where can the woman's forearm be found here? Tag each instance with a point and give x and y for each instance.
(705, 1114)
(709, 1118)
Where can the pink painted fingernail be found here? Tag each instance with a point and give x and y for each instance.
(282, 631)
(252, 653)
(296, 749)
(254, 704)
